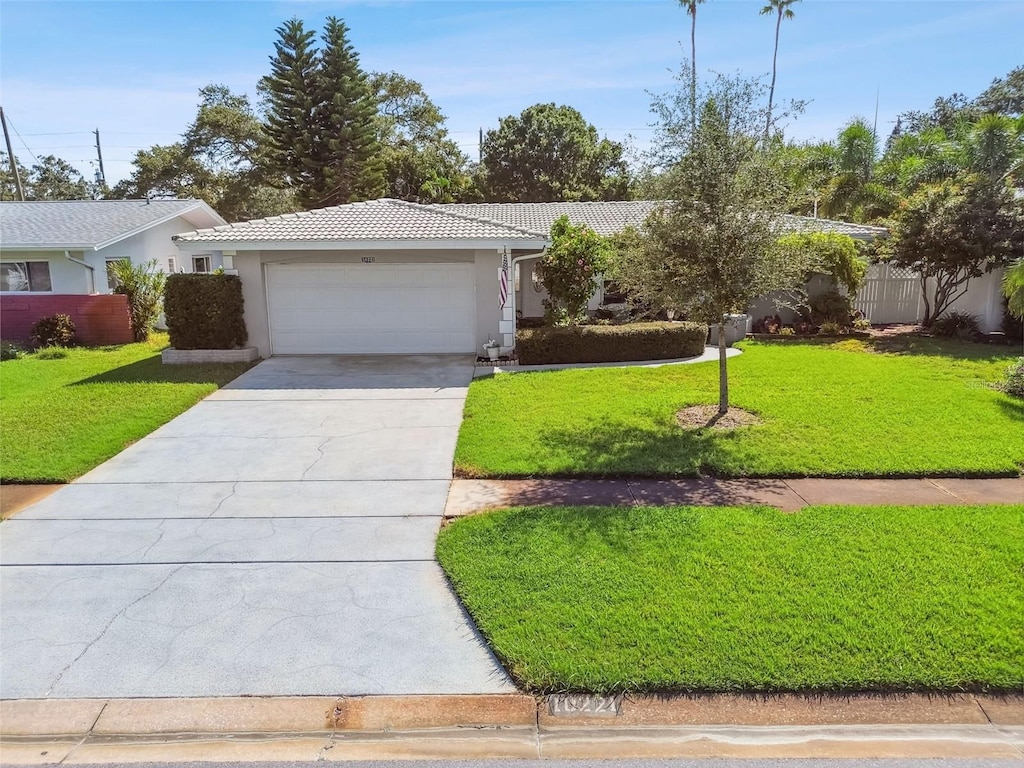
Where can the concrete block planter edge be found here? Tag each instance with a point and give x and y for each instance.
(171, 356)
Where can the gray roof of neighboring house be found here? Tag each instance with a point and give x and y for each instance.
(398, 220)
(371, 220)
(90, 224)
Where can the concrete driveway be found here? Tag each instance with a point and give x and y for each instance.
(275, 539)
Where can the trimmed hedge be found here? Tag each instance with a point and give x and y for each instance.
(610, 343)
(205, 311)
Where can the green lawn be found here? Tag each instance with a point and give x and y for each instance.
(852, 408)
(753, 599)
(60, 418)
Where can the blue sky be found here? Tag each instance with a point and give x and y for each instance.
(132, 69)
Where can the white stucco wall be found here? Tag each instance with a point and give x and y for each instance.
(153, 243)
(65, 276)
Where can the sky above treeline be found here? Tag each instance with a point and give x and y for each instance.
(133, 69)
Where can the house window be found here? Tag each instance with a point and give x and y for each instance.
(111, 280)
(25, 276)
(172, 265)
(200, 263)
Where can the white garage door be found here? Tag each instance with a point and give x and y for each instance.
(341, 309)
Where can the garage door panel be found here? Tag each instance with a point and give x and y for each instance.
(372, 308)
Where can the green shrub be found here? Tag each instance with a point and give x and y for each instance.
(957, 325)
(53, 331)
(205, 311)
(831, 307)
(1012, 326)
(1014, 384)
(610, 343)
(52, 353)
(143, 286)
(568, 269)
(11, 350)
(830, 328)
(862, 324)
(829, 253)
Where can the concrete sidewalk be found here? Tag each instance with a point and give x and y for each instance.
(511, 726)
(469, 496)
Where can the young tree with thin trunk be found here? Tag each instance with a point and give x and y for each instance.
(782, 10)
(712, 251)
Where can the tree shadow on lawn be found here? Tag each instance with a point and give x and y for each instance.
(615, 449)
(911, 345)
(620, 530)
(1012, 408)
(152, 371)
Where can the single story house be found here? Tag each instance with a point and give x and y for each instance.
(54, 257)
(389, 276)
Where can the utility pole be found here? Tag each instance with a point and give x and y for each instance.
(10, 156)
(99, 154)
(480, 147)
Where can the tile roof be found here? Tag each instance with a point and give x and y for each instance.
(605, 218)
(82, 223)
(388, 219)
(371, 220)
(808, 224)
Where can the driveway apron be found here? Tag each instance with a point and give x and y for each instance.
(276, 539)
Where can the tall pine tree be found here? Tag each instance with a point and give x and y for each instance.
(290, 91)
(321, 117)
(345, 115)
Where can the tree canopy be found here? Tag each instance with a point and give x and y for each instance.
(550, 153)
(421, 162)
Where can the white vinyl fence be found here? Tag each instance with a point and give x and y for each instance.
(890, 295)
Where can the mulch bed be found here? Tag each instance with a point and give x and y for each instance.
(699, 417)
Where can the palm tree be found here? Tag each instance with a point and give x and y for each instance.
(782, 10)
(1013, 288)
(691, 9)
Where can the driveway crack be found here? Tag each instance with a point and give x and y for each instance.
(107, 627)
(320, 450)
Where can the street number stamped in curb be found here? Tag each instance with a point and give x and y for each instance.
(582, 704)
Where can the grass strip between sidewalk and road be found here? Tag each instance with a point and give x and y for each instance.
(854, 408)
(660, 599)
(61, 417)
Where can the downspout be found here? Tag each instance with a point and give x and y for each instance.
(87, 265)
(512, 268)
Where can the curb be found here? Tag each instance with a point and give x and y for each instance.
(511, 726)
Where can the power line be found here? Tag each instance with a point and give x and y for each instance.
(11, 123)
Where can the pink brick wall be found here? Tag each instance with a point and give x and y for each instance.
(99, 318)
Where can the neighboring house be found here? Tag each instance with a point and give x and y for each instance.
(54, 257)
(389, 276)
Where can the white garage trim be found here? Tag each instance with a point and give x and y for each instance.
(316, 309)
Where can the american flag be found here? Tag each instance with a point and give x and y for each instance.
(503, 281)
